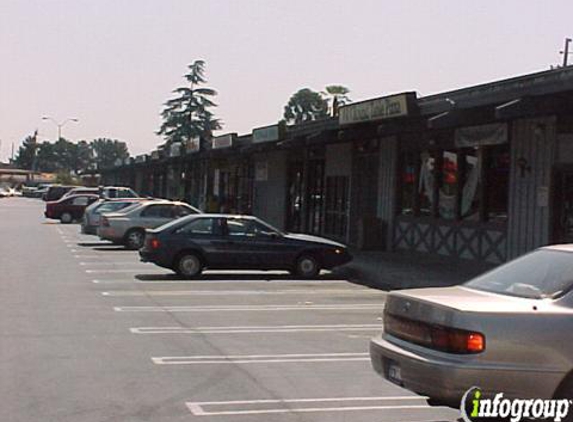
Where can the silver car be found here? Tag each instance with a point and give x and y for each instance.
(508, 330)
(92, 214)
(128, 227)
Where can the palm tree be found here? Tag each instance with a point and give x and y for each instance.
(336, 96)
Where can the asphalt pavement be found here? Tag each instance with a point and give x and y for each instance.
(89, 333)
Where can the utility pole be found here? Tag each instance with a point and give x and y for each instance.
(565, 52)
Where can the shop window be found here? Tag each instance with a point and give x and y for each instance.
(497, 182)
(467, 184)
(426, 184)
(448, 185)
(408, 183)
(470, 178)
(336, 210)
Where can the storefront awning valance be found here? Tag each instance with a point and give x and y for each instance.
(473, 136)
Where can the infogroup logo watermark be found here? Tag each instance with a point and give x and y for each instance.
(475, 407)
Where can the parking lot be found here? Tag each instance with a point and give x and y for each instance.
(90, 333)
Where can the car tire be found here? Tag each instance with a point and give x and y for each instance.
(134, 239)
(66, 218)
(307, 266)
(189, 265)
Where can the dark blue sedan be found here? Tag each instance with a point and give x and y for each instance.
(220, 241)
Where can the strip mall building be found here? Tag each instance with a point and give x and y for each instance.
(481, 173)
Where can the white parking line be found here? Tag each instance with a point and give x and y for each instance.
(193, 282)
(255, 329)
(88, 256)
(135, 270)
(287, 358)
(109, 263)
(248, 407)
(251, 308)
(324, 292)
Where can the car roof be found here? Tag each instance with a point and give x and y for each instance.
(219, 215)
(161, 202)
(565, 247)
(75, 195)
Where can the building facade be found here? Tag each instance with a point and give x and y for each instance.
(482, 173)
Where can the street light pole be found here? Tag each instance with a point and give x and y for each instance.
(60, 125)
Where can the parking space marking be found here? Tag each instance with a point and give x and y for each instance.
(306, 283)
(256, 329)
(322, 292)
(285, 358)
(251, 308)
(252, 407)
(88, 256)
(109, 263)
(134, 270)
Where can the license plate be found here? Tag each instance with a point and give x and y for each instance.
(394, 373)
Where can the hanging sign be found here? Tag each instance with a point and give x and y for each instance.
(223, 141)
(266, 134)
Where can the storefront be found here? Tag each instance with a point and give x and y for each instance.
(453, 192)
(481, 173)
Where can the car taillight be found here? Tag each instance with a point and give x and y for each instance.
(437, 337)
(154, 243)
(104, 222)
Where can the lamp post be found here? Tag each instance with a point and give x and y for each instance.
(61, 124)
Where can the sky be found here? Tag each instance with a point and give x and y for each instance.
(113, 63)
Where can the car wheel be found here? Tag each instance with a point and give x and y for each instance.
(134, 239)
(307, 266)
(189, 265)
(66, 218)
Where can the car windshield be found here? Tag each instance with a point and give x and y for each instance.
(113, 206)
(541, 274)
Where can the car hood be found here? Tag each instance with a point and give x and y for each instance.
(313, 239)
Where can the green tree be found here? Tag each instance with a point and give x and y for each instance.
(26, 155)
(107, 151)
(305, 105)
(336, 95)
(47, 160)
(82, 157)
(188, 114)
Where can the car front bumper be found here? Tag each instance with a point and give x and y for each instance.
(332, 259)
(446, 381)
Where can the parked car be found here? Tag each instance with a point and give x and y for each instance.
(128, 228)
(6, 192)
(92, 214)
(55, 192)
(41, 191)
(107, 192)
(505, 331)
(29, 191)
(222, 241)
(68, 209)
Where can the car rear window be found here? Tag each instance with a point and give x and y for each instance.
(540, 274)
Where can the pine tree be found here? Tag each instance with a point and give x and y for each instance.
(187, 115)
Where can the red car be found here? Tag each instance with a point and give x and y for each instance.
(70, 208)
